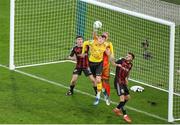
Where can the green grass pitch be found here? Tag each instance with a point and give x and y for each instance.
(41, 100)
(29, 100)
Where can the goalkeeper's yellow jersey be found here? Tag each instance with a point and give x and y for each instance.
(96, 50)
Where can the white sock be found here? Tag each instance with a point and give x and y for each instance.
(98, 95)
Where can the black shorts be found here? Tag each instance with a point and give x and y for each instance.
(115, 82)
(96, 68)
(86, 71)
(122, 89)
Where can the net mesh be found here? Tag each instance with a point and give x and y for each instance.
(176, 102)
(155, 8)
(142, 37)
(43, 30)
(128, 33)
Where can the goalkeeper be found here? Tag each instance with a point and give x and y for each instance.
(108, 55)
(97, 47)
(106, 69)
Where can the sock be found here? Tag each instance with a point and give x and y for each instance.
(99, 89)
(106, 86)
(71, 88)
(99, 86)
(98, 94)
(95, 89)
(123, 110)
(121, 104)
(104, 92)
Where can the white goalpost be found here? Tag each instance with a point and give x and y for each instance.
(11, 50)
(42, 32)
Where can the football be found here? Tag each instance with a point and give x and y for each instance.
(97, 25)
(137, 89)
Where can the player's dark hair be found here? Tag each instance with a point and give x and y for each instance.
(79, 37)
(133, 56)
(103, 36)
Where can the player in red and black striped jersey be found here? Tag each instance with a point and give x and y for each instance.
(82, 65)
(82, 62)
(123, 68)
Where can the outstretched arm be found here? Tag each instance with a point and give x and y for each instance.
(95, 34)
(72, 55)
(112, 60)
(73, 58)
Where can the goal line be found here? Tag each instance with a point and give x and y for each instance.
(62, 61)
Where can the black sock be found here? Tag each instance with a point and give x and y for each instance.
(121, 104)
(95, 89)
(123, 110)
(71, 88)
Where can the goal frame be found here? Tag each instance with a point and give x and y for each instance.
(132, 13)
(11, 44)
(171, 45)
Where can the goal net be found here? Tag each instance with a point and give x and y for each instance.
(43, 31)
